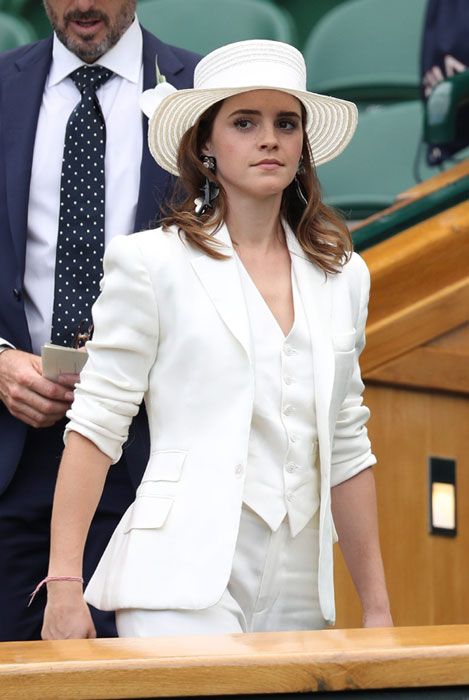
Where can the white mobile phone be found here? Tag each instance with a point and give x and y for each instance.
(57, 360)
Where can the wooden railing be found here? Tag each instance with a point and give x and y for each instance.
(420, 290)
(300, 662)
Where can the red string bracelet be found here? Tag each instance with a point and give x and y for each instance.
(78, 579)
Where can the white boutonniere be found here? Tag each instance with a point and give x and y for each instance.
(151, 99)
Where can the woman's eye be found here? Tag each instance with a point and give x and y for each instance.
(243, 123)
(287, 124)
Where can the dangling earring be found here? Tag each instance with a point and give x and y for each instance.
(299, 190)
(210, 189)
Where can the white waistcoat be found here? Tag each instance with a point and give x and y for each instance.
(282, 476)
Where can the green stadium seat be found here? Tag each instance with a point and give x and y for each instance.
(379, 163)
(14, 31)
(306, 14)
(367, 50)
(204, 25)
(13, 7)
(31, 10)
(36, 15)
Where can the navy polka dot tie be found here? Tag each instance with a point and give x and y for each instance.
(80, 241)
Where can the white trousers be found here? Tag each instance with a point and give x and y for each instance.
(273, 587)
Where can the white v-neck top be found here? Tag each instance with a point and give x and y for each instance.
(282, 477)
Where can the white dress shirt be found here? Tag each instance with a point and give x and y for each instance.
(119, 100)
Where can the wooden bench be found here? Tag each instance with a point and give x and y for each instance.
(267, 664)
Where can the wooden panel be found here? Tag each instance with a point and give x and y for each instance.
(415, 324)
(449, 437)
(417, 334)
(455, 341)
(427, 367)
(235, 664)
(428, 576)
(419, 262)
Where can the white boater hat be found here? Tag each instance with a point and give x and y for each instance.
(241, 67)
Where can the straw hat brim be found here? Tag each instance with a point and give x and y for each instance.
(330, 122)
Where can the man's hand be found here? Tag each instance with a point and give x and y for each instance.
(28, 395)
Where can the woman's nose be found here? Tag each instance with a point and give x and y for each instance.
(268, 138)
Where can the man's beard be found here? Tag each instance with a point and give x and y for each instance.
(86, 48)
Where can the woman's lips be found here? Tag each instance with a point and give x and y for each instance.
(268, 164)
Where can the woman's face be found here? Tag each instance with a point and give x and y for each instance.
(257, 139)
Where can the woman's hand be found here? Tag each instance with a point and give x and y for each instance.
(355, 517)
(79, 486)
(67, 615)
(377, 619)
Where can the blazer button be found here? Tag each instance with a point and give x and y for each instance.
(17, 294)
(239, 469)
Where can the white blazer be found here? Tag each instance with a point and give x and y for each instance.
(172, 328)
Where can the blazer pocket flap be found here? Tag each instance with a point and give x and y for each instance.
(344, 342)
(149, 513)
(165, 466)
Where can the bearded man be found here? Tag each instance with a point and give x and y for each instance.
(75, 171)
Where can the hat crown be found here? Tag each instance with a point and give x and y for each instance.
(252, 63)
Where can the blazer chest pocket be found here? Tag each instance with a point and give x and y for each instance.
(344, 342)
(149, 513)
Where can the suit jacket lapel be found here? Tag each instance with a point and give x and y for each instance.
(20, 103)
(155, 183)
(223, 285)
(316, 296)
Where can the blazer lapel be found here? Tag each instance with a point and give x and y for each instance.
(155, 183)
(21, 100)
(223, 285)
(316, 296)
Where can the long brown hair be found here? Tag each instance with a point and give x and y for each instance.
(320, 231)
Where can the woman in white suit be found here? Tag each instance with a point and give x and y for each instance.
(239, 323)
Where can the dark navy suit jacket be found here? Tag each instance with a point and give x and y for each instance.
(23, 73)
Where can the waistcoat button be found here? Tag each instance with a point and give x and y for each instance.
(288, 350)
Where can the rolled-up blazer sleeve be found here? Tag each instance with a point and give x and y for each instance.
(351, 447)
(122, 352)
